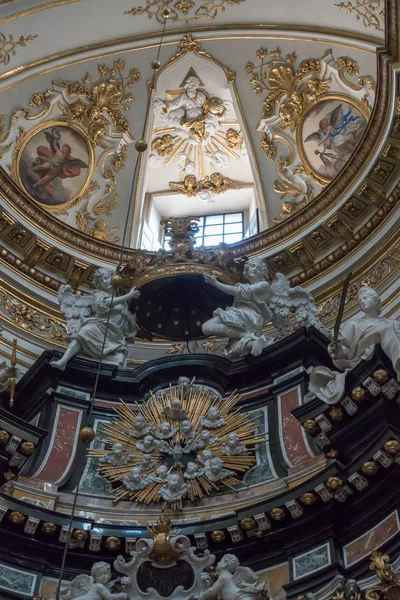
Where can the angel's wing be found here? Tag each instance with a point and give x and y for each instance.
(76, 162)
(74, 308)
(245, 578)
(80, 586)
(279, 302)
(313, 137)
(337, 116)
(305, 310)
(50, 140)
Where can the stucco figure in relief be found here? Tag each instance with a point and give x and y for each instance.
(116, 456)
(234, 583)
(357, 340)
(90, 318)
(174, 489)
(94, 587)
(233, 445)
(255, 303)
(191, 111)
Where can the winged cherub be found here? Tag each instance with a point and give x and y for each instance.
(93, 587)
(55, 161)
(234, 582)
(99, 324)
(339, 133)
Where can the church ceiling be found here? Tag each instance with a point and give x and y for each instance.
(299, 91)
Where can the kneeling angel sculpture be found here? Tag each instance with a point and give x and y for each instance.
(90, 317)
(255, 303)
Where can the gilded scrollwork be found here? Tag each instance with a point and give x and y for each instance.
(29, 319)
(98, 228)
(8, 46)
(370, 12)
(183, 10)
(109, 95)
(296, 93)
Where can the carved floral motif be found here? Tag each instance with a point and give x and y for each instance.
(183, 10)
(8, 47)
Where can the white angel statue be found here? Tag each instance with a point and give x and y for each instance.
(89, 318)
(93, 587)
(255, 304)
(357, 339)
(234, 582)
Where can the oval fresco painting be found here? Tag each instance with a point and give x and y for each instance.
(54, 165)
(330, 133)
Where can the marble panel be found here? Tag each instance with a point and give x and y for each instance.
(263, 470)
(312, 561)
(91, 482)
(62, 445)
(294, 447)
(17, 581)
(371, 540)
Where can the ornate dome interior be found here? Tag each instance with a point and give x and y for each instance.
(197, 148)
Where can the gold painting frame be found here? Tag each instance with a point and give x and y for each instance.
(311, 171)
(28, 137)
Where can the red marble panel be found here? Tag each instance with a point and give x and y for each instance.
(370, 541)
(62, 447)
(293, 444)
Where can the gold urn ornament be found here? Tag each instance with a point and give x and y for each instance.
(358, 394)
(334, 483)
(113, 543)
(49, 528)
(4, 437)
(218, 536)
(369, 468)
(308, 498)
(16, 517)
(162, 532)
(381, 376)
(278, 514)
(248, 523)
(28, 448)
(392, 447)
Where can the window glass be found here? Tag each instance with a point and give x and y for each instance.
(214, 229)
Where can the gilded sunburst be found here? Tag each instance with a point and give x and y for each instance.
(182, 444)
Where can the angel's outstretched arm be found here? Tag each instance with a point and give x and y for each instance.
(232, 290)
(133, 293)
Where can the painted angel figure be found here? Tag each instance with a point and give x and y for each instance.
(93, 587)
(92, 318)
(234, 582)
(340, 133)
(55, 161)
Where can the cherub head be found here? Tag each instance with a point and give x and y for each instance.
(215, 465)
(255, 270)
(139, 422)
(217, 179)
(324, 124)
(229, 562)
(174, 482)
(162, 472)
(186, 427)
(207, 455)
(165, 428)
(233, 439)
(369, 300)
(135, 474)
(146, 461)
(191, 468)
(205, 436)
(118, 448)
(102, 279)
(100, 224)
(176, 406)
(148, 441)
(66, 149)
(213, 413)
(191, 85)
(101, 572)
